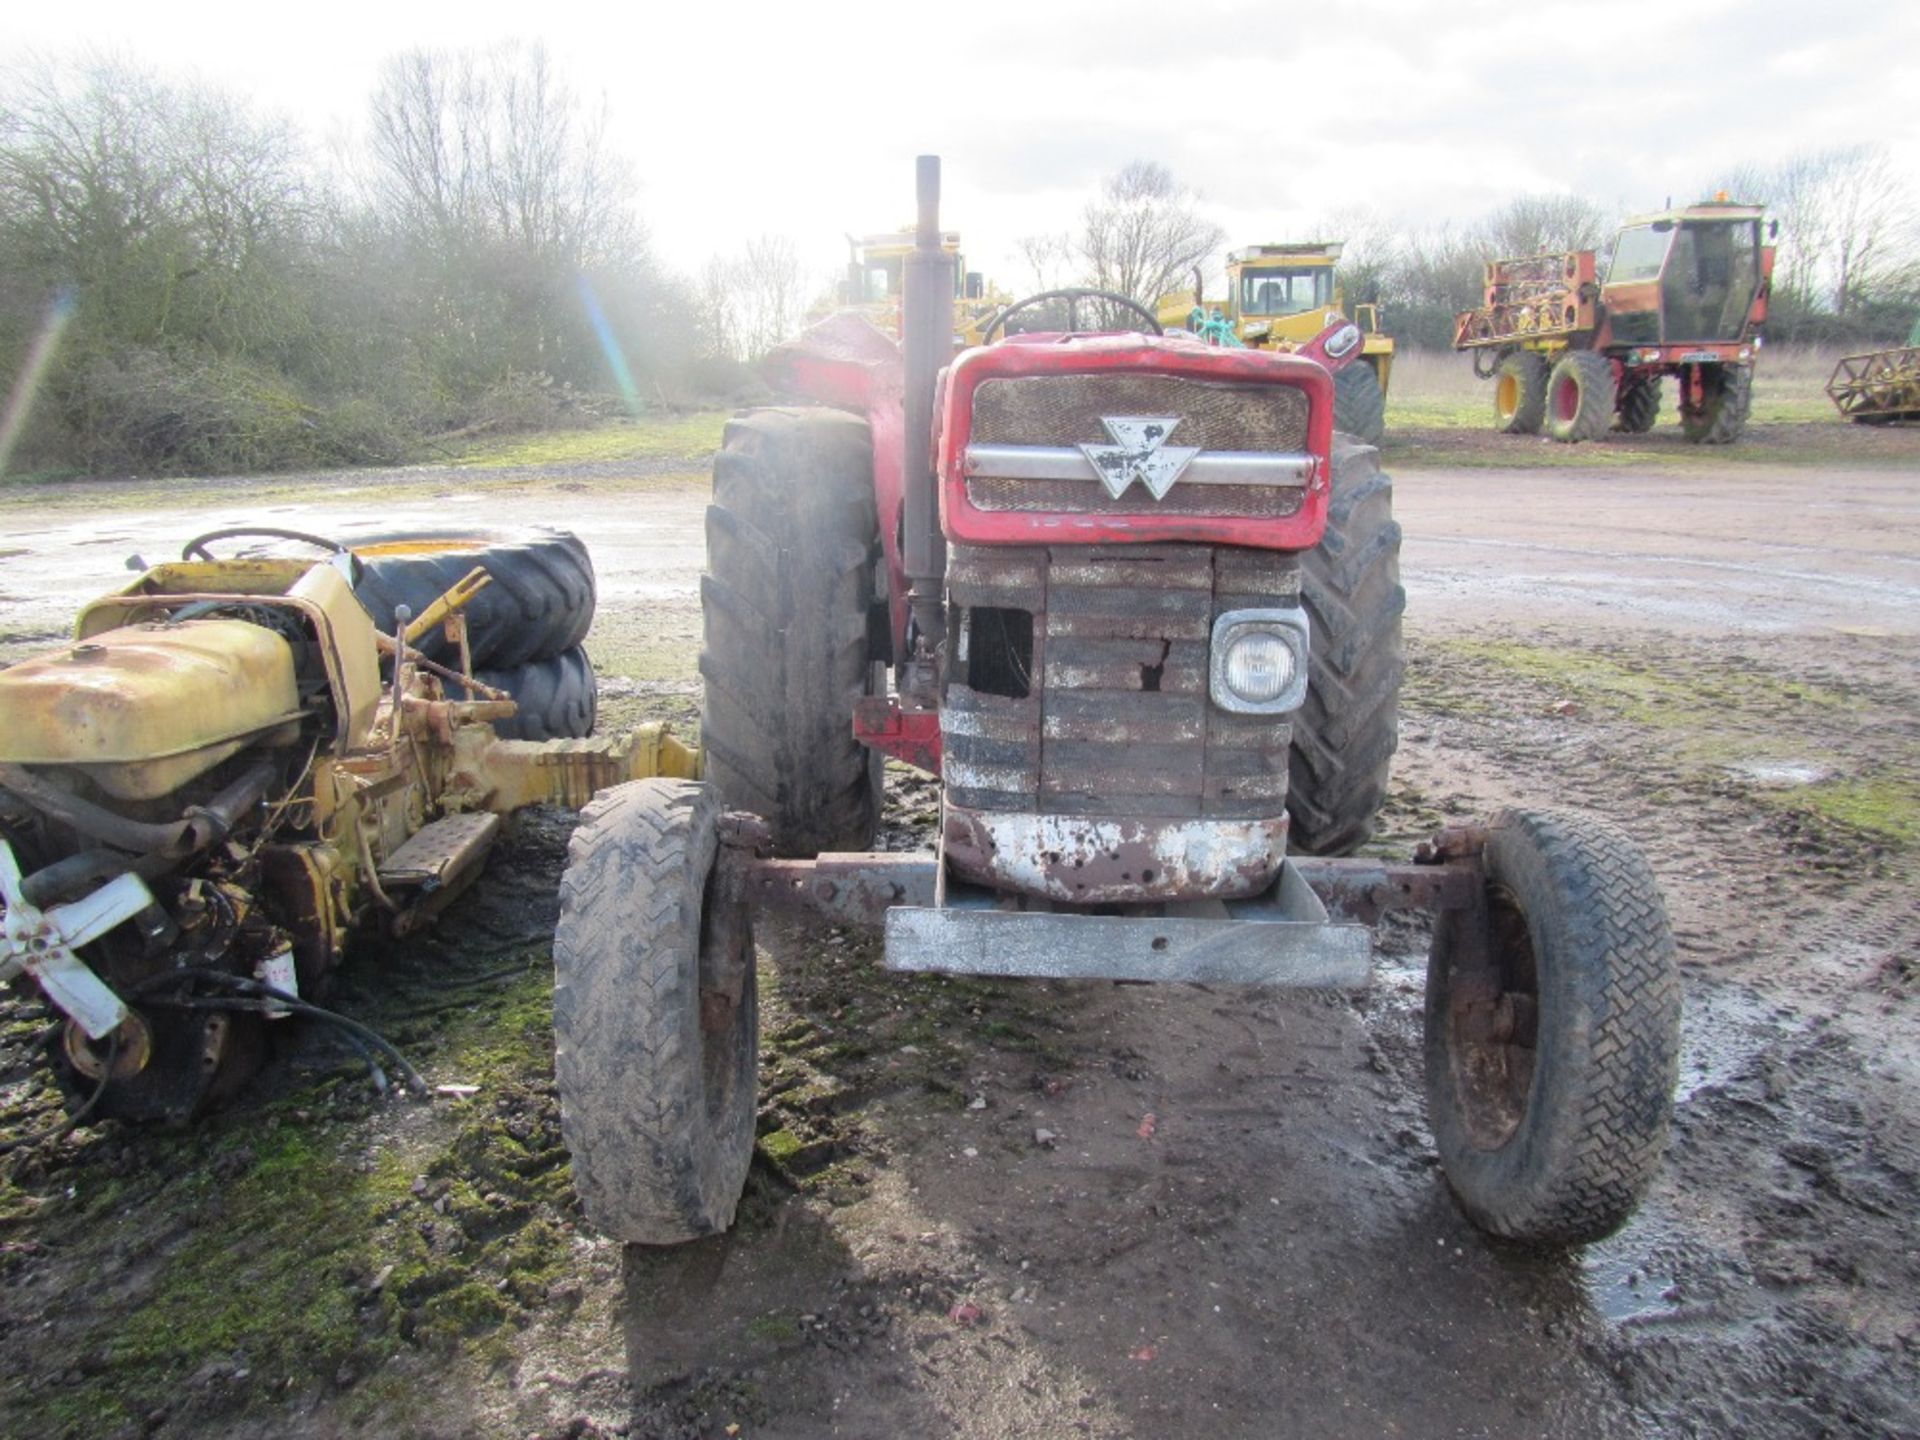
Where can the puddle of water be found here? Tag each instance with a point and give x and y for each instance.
(1623, 1288)
(1781, 772)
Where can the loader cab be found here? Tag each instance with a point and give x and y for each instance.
(1690, 275)
(1283, 293)
(877, 269)
(1285, 290)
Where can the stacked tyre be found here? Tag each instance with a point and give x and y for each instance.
(524, 630)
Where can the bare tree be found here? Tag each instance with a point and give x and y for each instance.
(1542, 225)
(1848, 224)
(1050, 260)
(492, 148)
(1143, 234)
(1874, 217)
(768, 293)
(751, 301)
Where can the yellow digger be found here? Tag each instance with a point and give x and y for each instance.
(1282, 297)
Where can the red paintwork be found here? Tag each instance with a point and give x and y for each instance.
(847, 362)
(1316, 348)
(909, 735)
(1059, 354)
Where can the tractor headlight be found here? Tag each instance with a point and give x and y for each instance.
(1259, 661)
(1344, 339)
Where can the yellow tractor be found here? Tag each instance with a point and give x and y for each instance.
(1283, 297)
(237, 763)
(874, 285)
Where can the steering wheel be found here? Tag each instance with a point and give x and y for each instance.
(196, 548)
(1073, 297)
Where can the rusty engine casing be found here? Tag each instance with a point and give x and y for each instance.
(1084, 760)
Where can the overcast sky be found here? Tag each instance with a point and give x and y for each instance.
(803, 119)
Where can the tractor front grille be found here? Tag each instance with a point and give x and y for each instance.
(1072, 497)
(1067, 410)
(1079, 682)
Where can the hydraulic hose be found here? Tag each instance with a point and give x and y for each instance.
(202, 825)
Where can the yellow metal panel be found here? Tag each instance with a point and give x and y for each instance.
(348, 641)
(147, 707)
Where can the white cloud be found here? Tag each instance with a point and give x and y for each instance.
(747, 117)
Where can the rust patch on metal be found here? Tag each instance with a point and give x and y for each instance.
(1094, 860)
(1364, 890)
(848, 889)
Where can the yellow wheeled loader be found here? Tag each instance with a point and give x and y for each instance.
(1284, 297)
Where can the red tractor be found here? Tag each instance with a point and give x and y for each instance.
(1139, 607)
(1685, 295)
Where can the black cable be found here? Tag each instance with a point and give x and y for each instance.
(78, 1117)
(270, 997)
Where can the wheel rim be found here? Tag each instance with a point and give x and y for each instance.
(1506, 397)
(1492, 1021)
(442, 546)
(1566, 398)
(726, 954)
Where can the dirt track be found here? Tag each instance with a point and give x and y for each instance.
(1723, 661)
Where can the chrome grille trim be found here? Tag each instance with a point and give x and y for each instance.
(1209, 467)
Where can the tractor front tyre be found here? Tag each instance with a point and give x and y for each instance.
(1345, 732)
(1639, 406)
(1359, 405)
(655, 1017)
(789, 602)
(1580, 394)
(1520, 393)
(1726, 397)
(1553, 1032)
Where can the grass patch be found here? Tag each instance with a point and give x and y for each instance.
(1881, 805)
(1642, 690)
(1725, 728)
(686, 437)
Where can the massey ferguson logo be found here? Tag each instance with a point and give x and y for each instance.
(1139, 452)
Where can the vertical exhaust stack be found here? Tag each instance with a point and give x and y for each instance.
(927, 342)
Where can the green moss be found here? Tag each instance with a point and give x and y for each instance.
(465, 1311)
(778, 1329)
(1638, 688)
(1887, 807)
(781, 1146)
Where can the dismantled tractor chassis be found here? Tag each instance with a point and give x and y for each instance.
(1140, 609)
(231, 769)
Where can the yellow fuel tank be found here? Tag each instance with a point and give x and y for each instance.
(145, 708)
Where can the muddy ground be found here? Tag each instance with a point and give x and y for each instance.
(1236, 1227)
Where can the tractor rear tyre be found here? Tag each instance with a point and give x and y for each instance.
(1520, 393)
(655, 1017)
(1359, 405)
(1639, 406)
(558, 697)
(539, 604)
(1726, 397)
(1580, 393)
(1553, 1032)
(789, 600)
(1345, 733)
